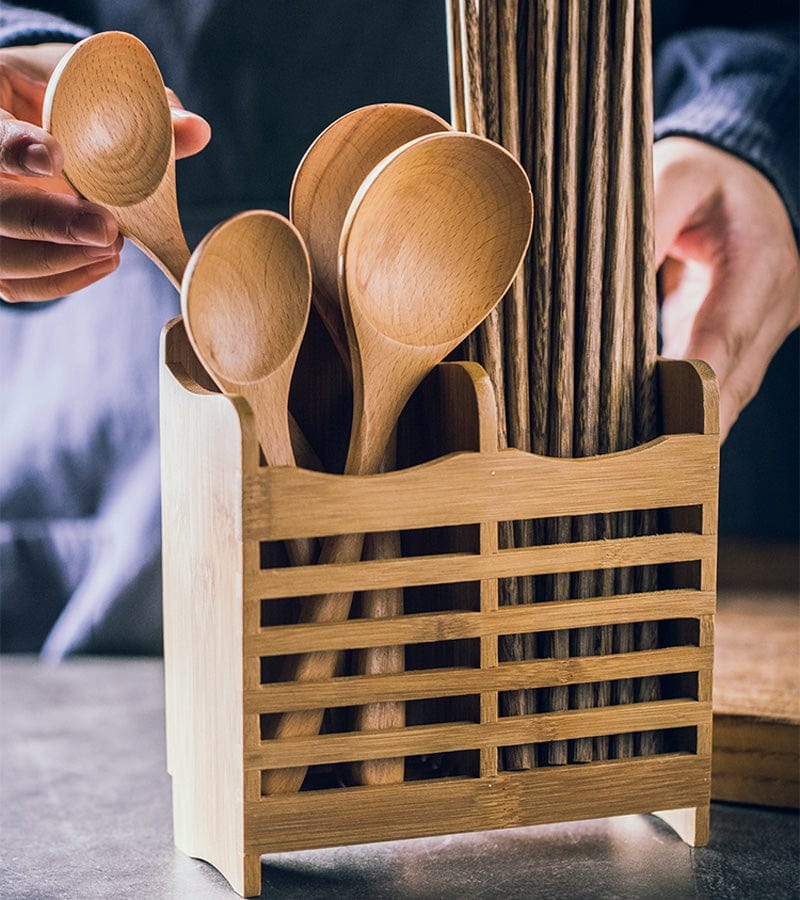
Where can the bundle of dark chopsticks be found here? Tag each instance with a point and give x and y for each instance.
(566, 86)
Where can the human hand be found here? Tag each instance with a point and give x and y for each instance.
(52, 242)
(730, 270)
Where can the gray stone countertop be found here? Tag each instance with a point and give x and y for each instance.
(85, 807)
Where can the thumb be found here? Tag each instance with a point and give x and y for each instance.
(26, 149)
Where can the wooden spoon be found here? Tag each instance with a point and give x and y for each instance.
(245, 300)
(107, 106)
(430, 244)
(326, 181)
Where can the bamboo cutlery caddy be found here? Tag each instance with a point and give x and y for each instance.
(228, 594)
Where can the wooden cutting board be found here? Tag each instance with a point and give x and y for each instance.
(756, 749)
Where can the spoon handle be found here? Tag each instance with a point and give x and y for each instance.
(380, 604)
(318, 665)
(155, 228)
(171, 255)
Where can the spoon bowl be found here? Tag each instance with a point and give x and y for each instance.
(245, 300)
(327, 180)
(107, 106)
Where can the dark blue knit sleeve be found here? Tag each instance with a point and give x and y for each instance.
(739, 91)
(19, 27)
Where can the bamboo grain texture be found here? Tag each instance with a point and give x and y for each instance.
(278, 640)
(463, 805)
(331, 749)
(647, 472)
(539, 673)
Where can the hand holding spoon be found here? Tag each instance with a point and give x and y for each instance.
(430, 245)
(245, 301)
(107, 106)
(325, 183)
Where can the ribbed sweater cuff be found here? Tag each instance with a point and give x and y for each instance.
(19, 27)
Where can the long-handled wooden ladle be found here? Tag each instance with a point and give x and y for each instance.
(431, 243)
(107, 106)
(245, 300)
(325, 183)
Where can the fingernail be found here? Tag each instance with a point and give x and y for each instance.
(100, 252)
(89, 228)
(105, 267)
(37, 160)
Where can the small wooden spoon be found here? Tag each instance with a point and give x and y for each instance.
(107, 106)
(245, 300)
(430, 244)
(325, 183)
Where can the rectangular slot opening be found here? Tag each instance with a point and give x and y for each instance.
(434, 766)
(464, 653)
(599, 526)
(419, 542)
(417, 599)
(604, 747)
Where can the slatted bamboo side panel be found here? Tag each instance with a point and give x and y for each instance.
(473, 490)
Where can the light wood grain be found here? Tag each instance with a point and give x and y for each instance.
(214, 590)
(339, 748)
(506, 483)
(277, 640)
(107, 106)
(245, 296)
(463, 805)
(326, 181)
(756, 748)
(460, 567)
(203, 555)
(539, 673)
(383, 603)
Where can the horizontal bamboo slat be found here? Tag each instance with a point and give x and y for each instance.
(565, 793)
(455, 568)
(679, 603)
(445, 738)
(464, 488)
(454, 682)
